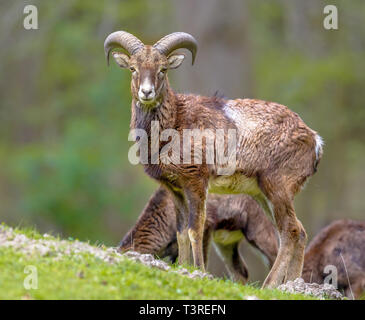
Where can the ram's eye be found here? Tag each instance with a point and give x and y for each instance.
(162, 72)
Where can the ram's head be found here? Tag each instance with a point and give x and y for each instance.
(148, 64)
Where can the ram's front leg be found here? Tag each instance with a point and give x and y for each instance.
(182, 238)
(196, 204)
(182, 220)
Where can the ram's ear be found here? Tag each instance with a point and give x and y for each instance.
(175, 60)
(121, 59)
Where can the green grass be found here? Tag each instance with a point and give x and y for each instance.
(87, 277)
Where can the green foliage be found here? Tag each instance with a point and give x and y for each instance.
(66, 141)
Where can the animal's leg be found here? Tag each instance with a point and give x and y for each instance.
(182, 235)
(233, 261)
(183, 243)
(290, 234)
(260, 230)
(269, 247)
(296, 264)
(206, 245)
(196, 201)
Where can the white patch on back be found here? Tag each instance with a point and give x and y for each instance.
(245, 125)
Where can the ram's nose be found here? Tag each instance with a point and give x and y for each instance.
(146, 94)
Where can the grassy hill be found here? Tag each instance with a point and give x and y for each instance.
(70, 269)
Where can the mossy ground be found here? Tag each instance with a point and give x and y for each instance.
(85, 276)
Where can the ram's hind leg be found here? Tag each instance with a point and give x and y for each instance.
(296, 264)
(289, 261)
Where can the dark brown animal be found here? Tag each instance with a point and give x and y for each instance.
(341, 244)
(231, 219)
(275, 152)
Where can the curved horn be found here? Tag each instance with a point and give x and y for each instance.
(177, 40)
(124, 40)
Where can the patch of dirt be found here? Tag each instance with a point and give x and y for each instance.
(321, 291)
(149, 260)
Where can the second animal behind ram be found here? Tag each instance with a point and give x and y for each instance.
(230, 219)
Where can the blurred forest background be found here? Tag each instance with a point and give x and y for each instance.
(64, 116)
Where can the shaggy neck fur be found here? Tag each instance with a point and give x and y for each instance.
(164, 111)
